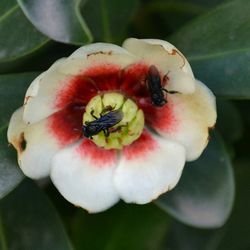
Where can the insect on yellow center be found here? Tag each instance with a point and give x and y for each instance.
(112, 121)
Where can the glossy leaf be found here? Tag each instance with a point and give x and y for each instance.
(208, 3)
(12, 91)
(161, 17)
(229, 121)
(122, 227)
(238, 227)
(18, 37)
(217, 46)
(6, 6)
(171, 14)
(183, 237)
(59, 20)
(108, 19)
(30, 222)
(10, 174)
(204, 196)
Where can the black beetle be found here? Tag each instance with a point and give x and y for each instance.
(154, 83)
(103, 123)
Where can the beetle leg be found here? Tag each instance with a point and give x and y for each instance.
(165, 79)
(171, 91)
(117, 129)
(92, 113)
(106, 132)
(107, 108)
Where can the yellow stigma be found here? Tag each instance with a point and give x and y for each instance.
(121, 134)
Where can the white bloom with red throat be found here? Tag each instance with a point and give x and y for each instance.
(136, 159)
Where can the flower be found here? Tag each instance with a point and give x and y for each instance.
(142, 152)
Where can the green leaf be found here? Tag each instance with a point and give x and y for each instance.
(204, 196)
(217, 46)
(59, 20)
(5, 6)
(237, 229)
(18, 37)
(108, 19)
(229, 121)
(12, 92)
(122, 227)
(207, 3)
(30, 222)
(10, 174)
(171, 14)
(182, 237)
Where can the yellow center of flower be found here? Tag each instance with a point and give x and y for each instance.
(118, 118)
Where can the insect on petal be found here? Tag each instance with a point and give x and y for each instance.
(73, 80)
(159, 53)
(193, 115)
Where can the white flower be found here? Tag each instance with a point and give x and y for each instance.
(135, 162)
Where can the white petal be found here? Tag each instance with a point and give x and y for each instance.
(83, 175)
(148, 167)
(33, 89)
(16, 127)
(35, 144)
(168, 59)
(42, 95)
(181, 82)
(169, 47)
(35, 160)
(75, 65)
(193, 116)
(87, 50)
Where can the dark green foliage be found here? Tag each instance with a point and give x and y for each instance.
(108, 19)
(211, 175)
(122, 227)
(29, 221)
(18, 37)
(11, 175)
(59, 20)
(217, 46)
(214, 35)
(14, 86)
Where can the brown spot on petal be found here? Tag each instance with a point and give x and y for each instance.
(174, 52)
(211, 128)
(27, 99)
(22, 144)
(208, 138)
(100, 52)
(208, 132)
